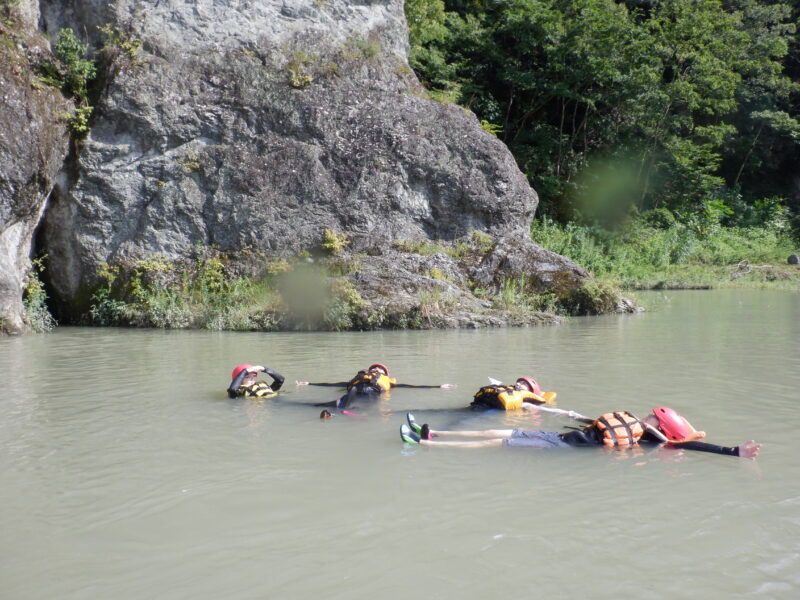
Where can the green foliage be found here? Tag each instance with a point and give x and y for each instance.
(34, 301)
(447, 95)
(341, 308)
(609, 105)
(495, 130)
(77, 71)
(72, 73)
(204, 293)
(105, 309)
(297, 69)
(78, 121)
(592, 298)
(649, 247)
(369, 48)
(422, 247)
(437, 273)
(333, 242)
(482, 240)
(120, 42)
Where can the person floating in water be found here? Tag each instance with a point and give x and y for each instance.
(370, 382)
(619, 429)
(525, 393)
(245, 382)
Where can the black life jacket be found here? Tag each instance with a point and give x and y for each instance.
(502, 397)
(366, 382)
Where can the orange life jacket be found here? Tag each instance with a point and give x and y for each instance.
(619, 429)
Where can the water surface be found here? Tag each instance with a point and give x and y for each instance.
(126, 473)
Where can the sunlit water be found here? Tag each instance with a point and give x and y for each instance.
(126, 473)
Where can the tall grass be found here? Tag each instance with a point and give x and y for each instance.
(641, 253)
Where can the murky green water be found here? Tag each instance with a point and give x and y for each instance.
(126, 473)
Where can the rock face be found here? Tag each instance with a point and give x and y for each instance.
(33, 146)
(242, 126)
(261, 124)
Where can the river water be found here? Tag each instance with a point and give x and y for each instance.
(126, 473)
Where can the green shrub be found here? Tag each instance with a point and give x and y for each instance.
(592, 298)
(78, 121)
(333, 242)
(297, 69)
(120, 42)
(34, 301)
(78, 70)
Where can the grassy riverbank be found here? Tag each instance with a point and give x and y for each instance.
(657, 251)
(209, 291)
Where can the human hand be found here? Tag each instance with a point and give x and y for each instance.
(255, 369)
(749, 450)
(301, 382)
(448, 386)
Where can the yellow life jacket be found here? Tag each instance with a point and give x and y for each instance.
(504, 397)
(619, 429)
(259, 389)
(366, 381)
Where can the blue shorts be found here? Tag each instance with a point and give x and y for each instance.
(528, 438)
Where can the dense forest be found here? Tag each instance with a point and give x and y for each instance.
(616, 108)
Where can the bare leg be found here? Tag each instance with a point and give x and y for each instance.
(481, 433)
(494, 443)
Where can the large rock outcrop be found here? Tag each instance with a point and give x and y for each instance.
(33, 145)
(251, 128)
(260, 125)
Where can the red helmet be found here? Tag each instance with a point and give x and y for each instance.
(531, 384)
(379, 366)
(671, 423)
(238, 370)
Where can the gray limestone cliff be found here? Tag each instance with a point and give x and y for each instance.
(33, 145)
(257, 125)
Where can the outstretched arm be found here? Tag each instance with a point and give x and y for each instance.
(747, 450)
(444, 386)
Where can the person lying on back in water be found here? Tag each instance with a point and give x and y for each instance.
(372, 381)
(614, 430)
(245, 382)
(524, 394)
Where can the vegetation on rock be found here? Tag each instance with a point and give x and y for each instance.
(72, 72)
